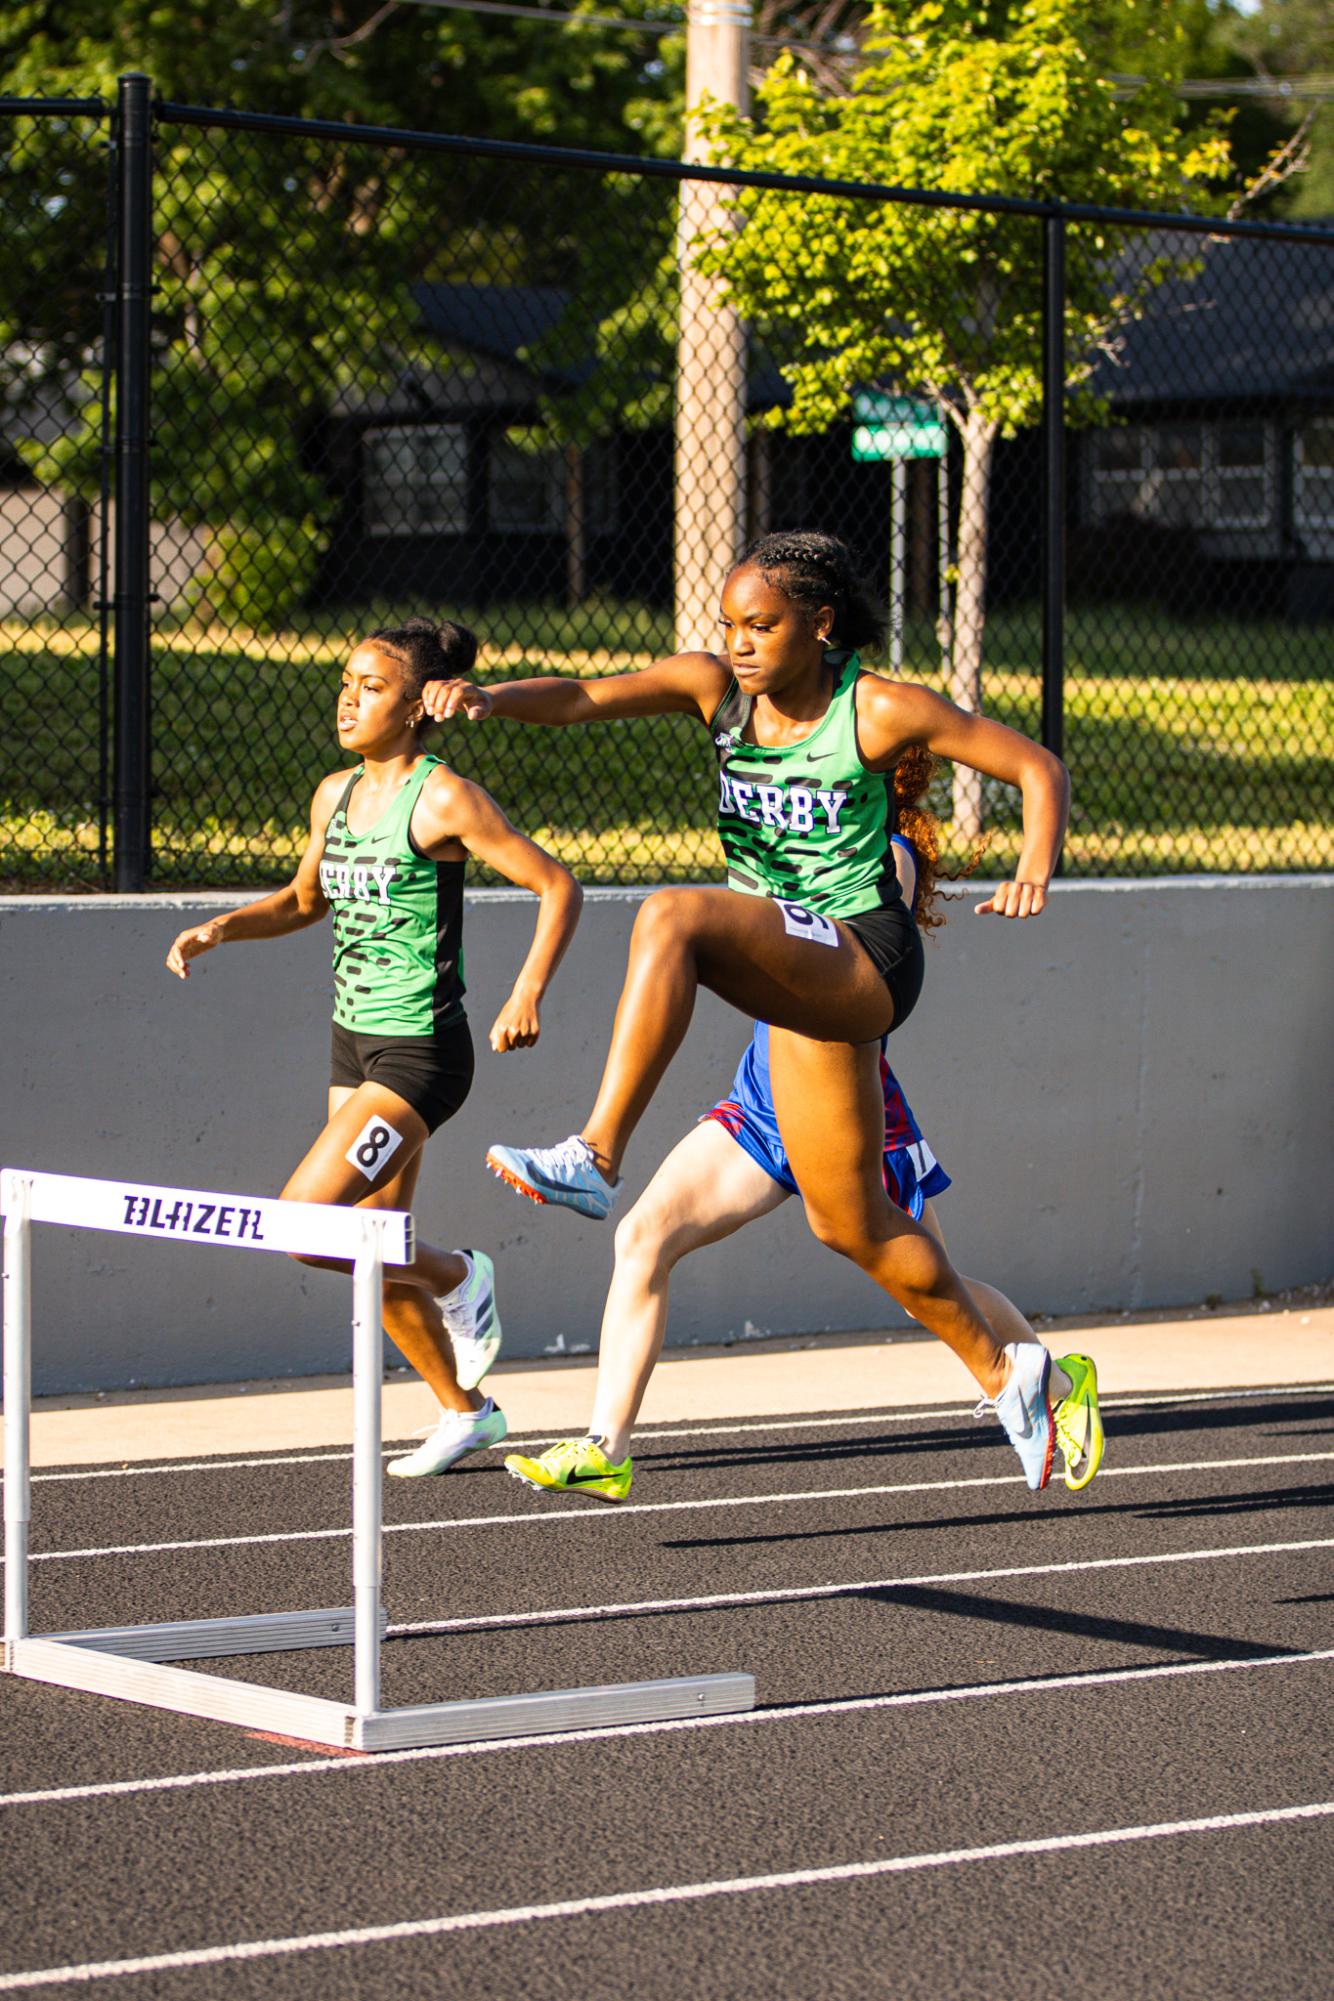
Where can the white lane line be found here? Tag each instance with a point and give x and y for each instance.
(603, 1512)
(656, 1896)
(790, 1712)
(651, 1434)
(793, 1593)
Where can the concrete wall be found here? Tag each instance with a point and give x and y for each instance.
(1132, 1095)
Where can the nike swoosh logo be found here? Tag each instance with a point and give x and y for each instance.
(582, 1479)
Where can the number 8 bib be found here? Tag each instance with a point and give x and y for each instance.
(373, 1146)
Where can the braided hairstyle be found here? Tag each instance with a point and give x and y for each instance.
(913, 773)
(814, 569)
(427, 650)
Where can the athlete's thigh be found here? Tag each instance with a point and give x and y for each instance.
(371, 1139)
(706, 1188)
(805, 973)
(831, 1112)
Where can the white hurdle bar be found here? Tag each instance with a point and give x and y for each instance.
(135, 1663)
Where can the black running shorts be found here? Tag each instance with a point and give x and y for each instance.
(432, 1073)
(893, 944)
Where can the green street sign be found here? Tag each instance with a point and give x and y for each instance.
(895, 427)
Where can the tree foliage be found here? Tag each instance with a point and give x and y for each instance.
(1006, 99)
(283, 266)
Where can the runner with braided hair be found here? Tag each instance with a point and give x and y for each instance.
(729, 1170)
(811, 934)
(389, 842)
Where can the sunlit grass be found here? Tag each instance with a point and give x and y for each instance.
(1195, 766)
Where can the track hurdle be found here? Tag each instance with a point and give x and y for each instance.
(138, 1663)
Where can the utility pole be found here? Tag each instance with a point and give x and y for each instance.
(710, 473)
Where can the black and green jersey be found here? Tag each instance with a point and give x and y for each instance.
(398, 921)
(807, 822)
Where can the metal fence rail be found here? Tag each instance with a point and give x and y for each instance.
(344, 374)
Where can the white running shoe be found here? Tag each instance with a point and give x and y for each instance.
(566, 1175)
(1024, 1408)
(458, 1432)
(471, 1320)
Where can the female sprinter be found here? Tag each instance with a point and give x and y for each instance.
(731, 1169)
(388, 846)
(811, 934)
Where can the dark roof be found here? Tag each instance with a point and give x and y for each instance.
(501, 321)
(1256, 323)
(506, 321)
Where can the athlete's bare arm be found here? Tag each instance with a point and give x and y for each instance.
(685, 684)
(292, 908)
(452, 817)
(893, 714)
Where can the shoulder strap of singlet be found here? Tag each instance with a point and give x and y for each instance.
(346, 793)
(732, 713)
(412, 790)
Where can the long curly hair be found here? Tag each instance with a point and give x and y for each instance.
(913, 774)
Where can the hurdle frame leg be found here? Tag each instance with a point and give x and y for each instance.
(135, 1663)
(18, 1408)
(367, 1472)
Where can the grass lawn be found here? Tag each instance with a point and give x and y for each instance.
(1192, 746)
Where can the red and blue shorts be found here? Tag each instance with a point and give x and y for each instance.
(912, 1173)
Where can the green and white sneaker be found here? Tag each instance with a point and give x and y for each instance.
(471, 1320)
(458, 1432)
(575, 1465)
(1079, 1422)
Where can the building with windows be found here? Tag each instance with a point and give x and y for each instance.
(1216, 479)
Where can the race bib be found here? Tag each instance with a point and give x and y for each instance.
(375, 1144)
(802, 923)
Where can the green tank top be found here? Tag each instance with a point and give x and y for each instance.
(807, 822)
(397, 919)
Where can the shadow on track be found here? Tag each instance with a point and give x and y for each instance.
(1274, 1499)
(1083, 1625)
(967, 1437)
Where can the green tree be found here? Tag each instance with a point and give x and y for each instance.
(1286, 40)
(1004, 99)
(283, 266)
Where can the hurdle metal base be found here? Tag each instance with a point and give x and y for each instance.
(137, 1663)
(131, 1663)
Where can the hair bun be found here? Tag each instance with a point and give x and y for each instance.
(457, 644)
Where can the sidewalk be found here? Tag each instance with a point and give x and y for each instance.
(1228, 1349)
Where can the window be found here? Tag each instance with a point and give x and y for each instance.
(1240, 492)
(1184, 475)
(529, 486)
(525, 485)
(416, 479)
(1314, 498)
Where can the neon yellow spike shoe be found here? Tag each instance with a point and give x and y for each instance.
(1079, 1421)
(575, 1465)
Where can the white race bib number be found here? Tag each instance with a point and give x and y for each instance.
(799, 922)
(375, 1144)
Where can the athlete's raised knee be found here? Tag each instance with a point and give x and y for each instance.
(669, 919)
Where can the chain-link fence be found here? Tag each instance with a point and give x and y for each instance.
(553, 397)
(55, 355)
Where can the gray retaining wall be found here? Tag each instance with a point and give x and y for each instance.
(1132, 1095)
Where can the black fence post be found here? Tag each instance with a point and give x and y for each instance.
(134, 228)
(1053, 483)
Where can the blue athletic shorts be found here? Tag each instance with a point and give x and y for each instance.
(912, 1173)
